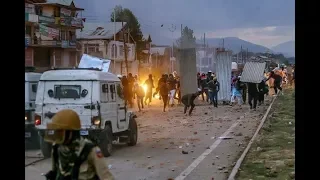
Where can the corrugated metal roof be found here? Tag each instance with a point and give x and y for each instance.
(62, 2)
(99, 30)
(223, 72)
(253, 72)
(35, 1)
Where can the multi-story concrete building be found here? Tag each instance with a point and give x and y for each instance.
(97, 39)
(50, 33)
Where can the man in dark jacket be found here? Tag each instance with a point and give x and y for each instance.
(130, 89)
(214, 87)
(125, 85)
(244, 93)
(160, 81)
(262, 92)
(188, 100)
(253, 93)
(163, 91)
(198, 79)
(150, 86)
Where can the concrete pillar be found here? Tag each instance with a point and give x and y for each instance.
(188, 70)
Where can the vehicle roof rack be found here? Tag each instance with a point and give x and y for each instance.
(29, 69)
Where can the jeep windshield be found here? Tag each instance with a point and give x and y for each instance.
(67, 92)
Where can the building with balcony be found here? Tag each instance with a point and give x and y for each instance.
(97, 39)
(50, 33)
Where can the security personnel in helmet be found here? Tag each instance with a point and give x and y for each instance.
(73, 157)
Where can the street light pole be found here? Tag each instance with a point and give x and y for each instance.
(114, 40)
(172, 29)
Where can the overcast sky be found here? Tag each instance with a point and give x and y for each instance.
(264, 22)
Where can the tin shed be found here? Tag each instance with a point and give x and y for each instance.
(253, 72)
(223, 72)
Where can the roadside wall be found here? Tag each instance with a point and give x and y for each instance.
(188, 71)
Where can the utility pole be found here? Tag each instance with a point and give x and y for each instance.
(204, 46)
(223, 43)
(114, 39)
(178, 56)
(237, 58)
(241, 54)
(172, 29)
(125, 49)
(247, 55)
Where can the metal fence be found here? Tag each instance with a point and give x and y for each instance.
(223, 68)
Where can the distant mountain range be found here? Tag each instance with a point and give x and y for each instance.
(286, 48)
(234, 44)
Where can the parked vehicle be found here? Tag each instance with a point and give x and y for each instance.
(30, 89)
(98, 99)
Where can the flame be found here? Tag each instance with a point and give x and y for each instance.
(145, 87)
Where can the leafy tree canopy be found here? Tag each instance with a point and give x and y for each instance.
(187, 39)
(126, 15)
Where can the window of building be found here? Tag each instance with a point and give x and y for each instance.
(29, 8)
(72, 35)
(91, 48)
(63, 35)
(121, 50)
(57, 12)
(28, 30)
(114, 51)
(38, 10)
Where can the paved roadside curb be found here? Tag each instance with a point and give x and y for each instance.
(243, 155)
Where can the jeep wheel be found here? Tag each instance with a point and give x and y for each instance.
(46, 148)
(105, 143)
(132, 132)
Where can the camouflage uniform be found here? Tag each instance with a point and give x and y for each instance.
(74, 157)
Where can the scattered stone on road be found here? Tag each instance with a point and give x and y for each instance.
(167, 131)
(184, 152)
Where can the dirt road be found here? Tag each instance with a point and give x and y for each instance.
(163, 137)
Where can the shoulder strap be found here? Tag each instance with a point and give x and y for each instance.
(55, 156)
(83, 157)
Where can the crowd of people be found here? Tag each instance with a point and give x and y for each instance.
(209, 87)
(168, 89)
(65, 163)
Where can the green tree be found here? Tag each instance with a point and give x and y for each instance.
(186, 45)
(126, 15)
(187, 39)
